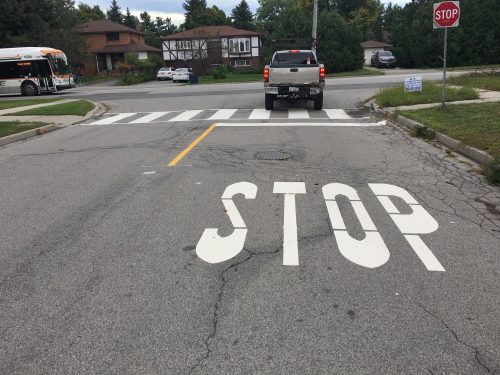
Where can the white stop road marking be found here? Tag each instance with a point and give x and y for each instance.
(371, 252)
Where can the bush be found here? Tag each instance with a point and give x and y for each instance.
(250, 70)
(492, 171)
(220, 72)
(424, 132)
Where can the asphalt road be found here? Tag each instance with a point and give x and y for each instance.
(380, 257)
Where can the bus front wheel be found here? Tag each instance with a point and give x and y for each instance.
(29, 89)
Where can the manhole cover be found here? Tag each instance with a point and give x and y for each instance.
(272, 155)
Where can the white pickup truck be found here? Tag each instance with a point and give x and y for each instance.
(294, 75)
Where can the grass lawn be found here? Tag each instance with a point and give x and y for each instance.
(13, 127)
(96, 79)
(232, 78)
(76, 108)
(431, 93)
(472, 67)
(359, 72)
(6, 104)
(485, 81)
(476, 125)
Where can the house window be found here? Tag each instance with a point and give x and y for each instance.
(112, 36)
(239, 45)
(241, 63)
(183, 44)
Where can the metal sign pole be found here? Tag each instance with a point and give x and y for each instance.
(315, 26)
(444, 66)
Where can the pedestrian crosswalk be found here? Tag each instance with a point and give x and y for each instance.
(220, 115)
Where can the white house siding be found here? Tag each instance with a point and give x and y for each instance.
(143, 55)
(369, 52)
(255, 46)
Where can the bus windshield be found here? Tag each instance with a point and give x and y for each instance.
(59, 66)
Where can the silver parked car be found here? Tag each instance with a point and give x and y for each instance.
(165, 74)
(181, 74)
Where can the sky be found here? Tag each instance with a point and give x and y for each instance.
(173, 8)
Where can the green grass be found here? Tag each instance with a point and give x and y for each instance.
(97, 79)
(359, 72)
(431, 93)
(477, 125)
(76, 108)
(473, 67)
(13, 127)
(232, 78)
(485, 81)
(6, 104)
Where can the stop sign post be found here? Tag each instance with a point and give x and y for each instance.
(446, 15)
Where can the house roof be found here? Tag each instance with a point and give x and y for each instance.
(133, 46)
(375, 44)
(210, 32)
(104, 26)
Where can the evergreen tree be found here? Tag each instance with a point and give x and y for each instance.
(88, 13)
(129, 19)
(195, 13)
(242, 16)
(156, 29)
(114, 12)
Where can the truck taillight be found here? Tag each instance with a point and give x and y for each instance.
(266, 75)
(322, 73)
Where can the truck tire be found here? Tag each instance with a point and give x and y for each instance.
(269, 102)
(318, 102)
(29, 89)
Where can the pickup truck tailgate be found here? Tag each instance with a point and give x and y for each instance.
(294, 75)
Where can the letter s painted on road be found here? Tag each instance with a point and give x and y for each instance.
(213, 248)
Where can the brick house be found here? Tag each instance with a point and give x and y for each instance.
(107, 43)
(207, 46)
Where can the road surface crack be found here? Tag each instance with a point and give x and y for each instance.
(477, 354)
(220, 293)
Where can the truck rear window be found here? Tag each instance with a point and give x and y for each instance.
(293, 59)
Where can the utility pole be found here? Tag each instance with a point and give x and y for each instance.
(315, 26)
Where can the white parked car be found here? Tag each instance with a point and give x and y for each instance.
(181, 74)
(165, 73)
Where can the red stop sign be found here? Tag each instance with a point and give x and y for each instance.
(446, 14)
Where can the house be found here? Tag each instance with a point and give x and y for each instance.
(207, 46)
(372, 46)
(107, 43)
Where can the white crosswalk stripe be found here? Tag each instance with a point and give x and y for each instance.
(223, 115)
(337, 114)
(259, 114)
(116, 118)
(149, 118)
(298, 113)
(186, 115)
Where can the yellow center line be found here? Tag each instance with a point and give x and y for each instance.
(191, 146)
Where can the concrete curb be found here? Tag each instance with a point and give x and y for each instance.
(472, 153)
(97, 111)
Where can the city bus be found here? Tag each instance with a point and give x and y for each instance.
(33, 71)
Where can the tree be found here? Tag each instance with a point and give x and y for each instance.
(129, 19)
(242, 16)
(154, 30)
(214, 17)
(88, 13)
(114, 12)
(195, 13)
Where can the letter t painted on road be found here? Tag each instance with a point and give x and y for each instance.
(290, 242)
